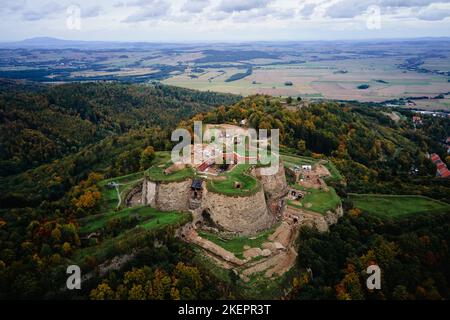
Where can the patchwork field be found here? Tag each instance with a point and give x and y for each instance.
(368, 71)
(332, 79)
(389, 206)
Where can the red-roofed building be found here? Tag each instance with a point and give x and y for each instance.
(442, 170)
(417, 120)
(435, 158)
(441, 165)
(444, 173)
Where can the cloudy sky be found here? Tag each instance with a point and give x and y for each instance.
(223, 20)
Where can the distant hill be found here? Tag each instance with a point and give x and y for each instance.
(55, 43)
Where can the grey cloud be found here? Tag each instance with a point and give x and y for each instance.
(157, 9)
(307, 10)
(432, 13)
(12, 5)
(348, 8)
(195, 6)
(353, 8)
(262, 13)
(139, 3)
(407, 3)
(283, 14)
(218, 16)
(242, 5)
(47, 10)
(90, 12)
(251, 15)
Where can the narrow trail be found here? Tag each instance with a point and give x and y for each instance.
(118, 196)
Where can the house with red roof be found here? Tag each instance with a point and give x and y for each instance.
(442, 170)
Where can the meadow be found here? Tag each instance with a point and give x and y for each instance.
(317, 200)
(248, 184)
(390, 206)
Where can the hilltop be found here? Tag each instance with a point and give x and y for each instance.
(119, 208)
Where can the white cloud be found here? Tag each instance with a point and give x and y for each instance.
(224, 19)
(242, 5)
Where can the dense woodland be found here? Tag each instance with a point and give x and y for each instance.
(47, 123)
(58, 142)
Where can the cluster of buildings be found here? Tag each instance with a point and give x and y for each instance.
(442, 170)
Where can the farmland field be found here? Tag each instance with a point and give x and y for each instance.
(368, 71)
(331, 79)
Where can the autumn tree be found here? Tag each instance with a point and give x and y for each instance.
(147, 156)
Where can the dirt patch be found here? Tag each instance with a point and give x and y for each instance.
(261, 266)
(282, 234)
(192, 236)
(313, 179)
(252, 253)
(285, 261)
(321, 171)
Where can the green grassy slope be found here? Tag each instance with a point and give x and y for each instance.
(249, 184)
(388, 206)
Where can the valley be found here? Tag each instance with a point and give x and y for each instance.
(400, 71)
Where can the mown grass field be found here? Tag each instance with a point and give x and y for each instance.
(320, 201)
(156, 173)
(249, 184)
(236, 245)
(391, 206)
(292, 160)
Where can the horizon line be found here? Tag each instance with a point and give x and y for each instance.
(228, 41)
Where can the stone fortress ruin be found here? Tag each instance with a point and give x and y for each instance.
(233, 199)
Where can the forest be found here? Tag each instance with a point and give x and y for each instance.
(47, 123)
(59, 142)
